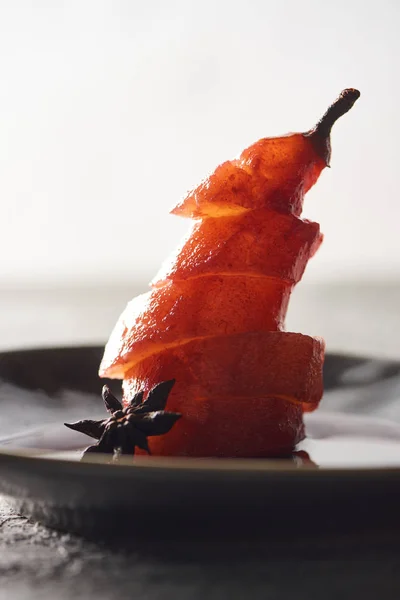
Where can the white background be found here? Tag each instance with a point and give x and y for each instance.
(110, 110)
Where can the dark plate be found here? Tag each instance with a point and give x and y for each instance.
(352, 483)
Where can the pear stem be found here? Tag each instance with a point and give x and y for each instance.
(339, 107)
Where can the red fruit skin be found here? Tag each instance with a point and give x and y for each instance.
(273, 173)
(193, 309)
(260, 242)
(243, 428)
(240, 382)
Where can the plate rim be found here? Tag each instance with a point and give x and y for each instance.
(193, 465)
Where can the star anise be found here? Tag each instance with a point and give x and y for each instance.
(128, 428)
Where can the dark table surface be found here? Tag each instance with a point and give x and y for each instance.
(36, 563)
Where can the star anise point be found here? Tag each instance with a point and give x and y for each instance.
(128, 428)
